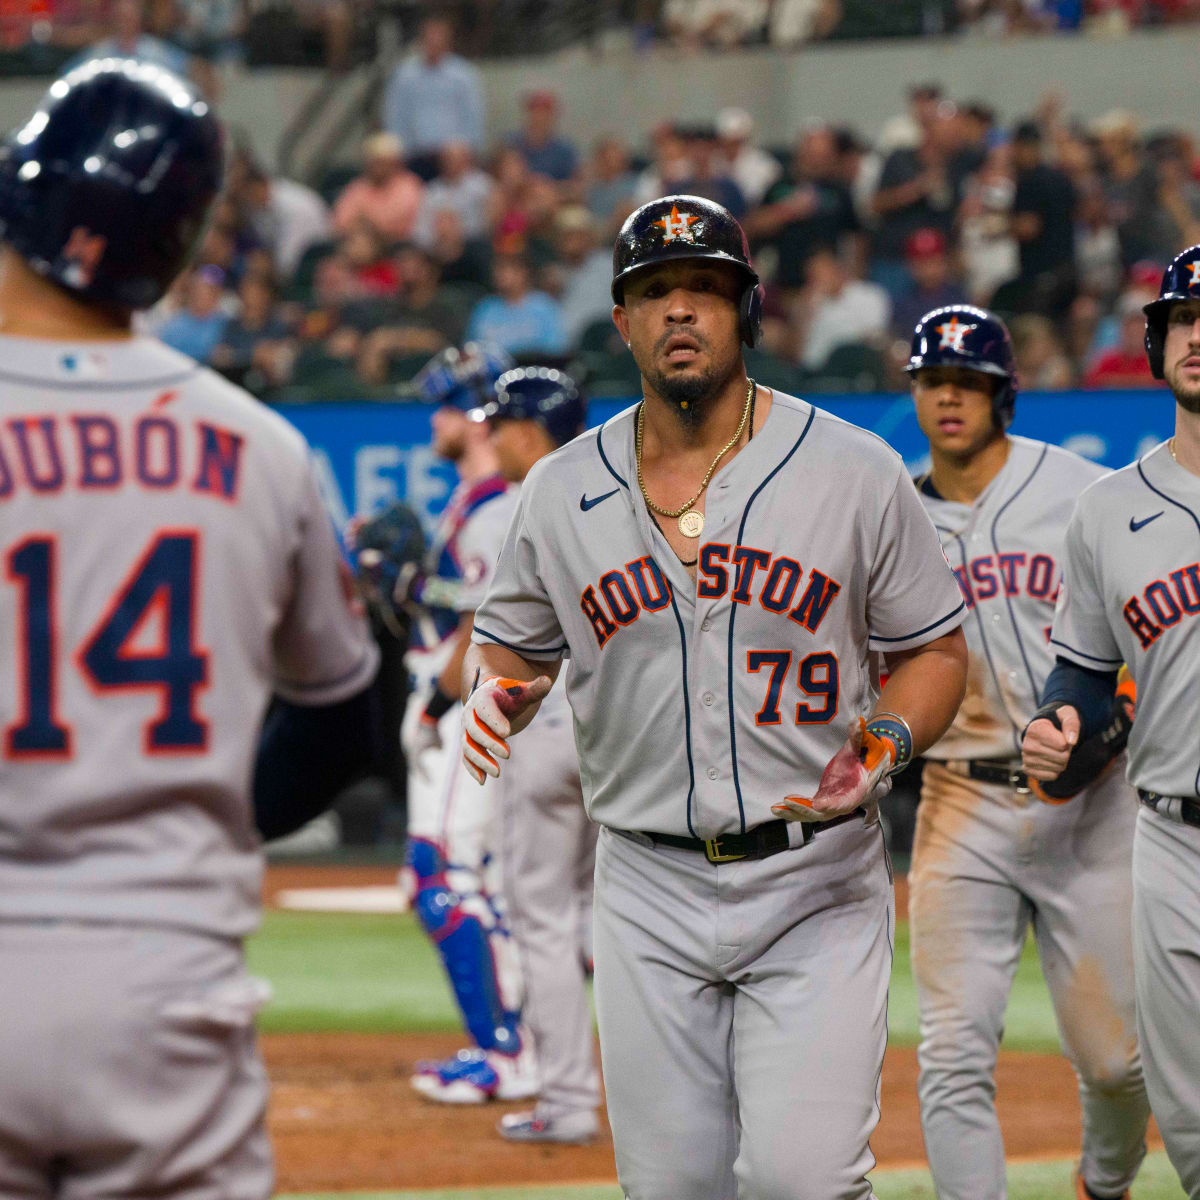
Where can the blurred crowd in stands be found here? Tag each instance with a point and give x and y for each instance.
(435, 235)
(434, 238)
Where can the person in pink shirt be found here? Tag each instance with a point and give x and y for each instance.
(387, 196)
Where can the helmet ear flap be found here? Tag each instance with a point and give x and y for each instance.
(750, 314)
(1155, 346)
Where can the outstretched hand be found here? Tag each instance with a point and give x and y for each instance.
(849, 780)
(488, 719)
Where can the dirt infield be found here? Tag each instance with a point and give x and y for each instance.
(343, 1116)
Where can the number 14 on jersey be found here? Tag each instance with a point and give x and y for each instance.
(158, 597)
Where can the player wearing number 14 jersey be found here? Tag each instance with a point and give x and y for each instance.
(165, 567)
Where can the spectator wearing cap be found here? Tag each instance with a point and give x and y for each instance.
(539, 143)
(1125, 364)
(434, 97)
(198, 327)
(581, 272)
(749, 166)
(518, 318)
(1043, 223)
(934, 285)
(835, 310)
(811, 208)
(459, 186)
(385, 196)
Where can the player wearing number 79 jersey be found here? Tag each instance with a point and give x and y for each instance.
(166, 565)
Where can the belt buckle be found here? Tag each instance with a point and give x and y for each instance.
(1019, 782)
(712, 851)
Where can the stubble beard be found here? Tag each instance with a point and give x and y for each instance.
(1187, 395)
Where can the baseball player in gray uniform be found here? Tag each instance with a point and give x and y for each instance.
(168, 565)
(1131, 593)
(990, 858)
(546, 843)
(451, 876)
(721, 564)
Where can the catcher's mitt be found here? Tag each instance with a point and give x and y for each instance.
(1091, 757)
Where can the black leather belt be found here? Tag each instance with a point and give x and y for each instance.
(993, 772)
(1189, 810)
(760, 842)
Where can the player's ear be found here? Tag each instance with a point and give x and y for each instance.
(621, 321)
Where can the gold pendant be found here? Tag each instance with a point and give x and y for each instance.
(691, 524)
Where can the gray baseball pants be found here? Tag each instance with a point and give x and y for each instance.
(1166, 938)
(548, 854)
(127, 1066)
(743, 1016)
(988, 863)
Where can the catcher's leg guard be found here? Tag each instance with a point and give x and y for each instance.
(466, 933)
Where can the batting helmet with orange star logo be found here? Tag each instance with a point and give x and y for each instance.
(961, 335)
(678, 227)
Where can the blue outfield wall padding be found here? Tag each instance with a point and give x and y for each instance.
(370, 454)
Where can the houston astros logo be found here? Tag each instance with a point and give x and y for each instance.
(677, 225)
(1195, 279)
(952, 334)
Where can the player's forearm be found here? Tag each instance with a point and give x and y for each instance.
(450, 681)
(1090, 693)
(925, 687)
(482, 662)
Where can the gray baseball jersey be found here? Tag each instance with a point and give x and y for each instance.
(1006, 552)
(722, 694)
(168, 564)
(699, 703)
(1131, 593)
(990, 861)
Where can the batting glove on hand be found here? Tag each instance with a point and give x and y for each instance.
(1048, 742)
(850, 779)
(487, 721)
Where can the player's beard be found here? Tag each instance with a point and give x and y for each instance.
(1187, 395)
(690, 394)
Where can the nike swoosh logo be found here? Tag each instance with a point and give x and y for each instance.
(585, 503)
(1134, 526)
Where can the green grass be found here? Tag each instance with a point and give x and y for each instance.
(379, 974)
(334, 972)
(1026, 1181)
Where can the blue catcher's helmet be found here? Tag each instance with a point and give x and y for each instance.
(1180, 281)
(106, 188)
(461, 378)
(961, 335)
(542, 394)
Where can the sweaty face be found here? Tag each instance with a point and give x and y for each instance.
(681, 322)
(954, 409)
(450, 433)
(1181, 354)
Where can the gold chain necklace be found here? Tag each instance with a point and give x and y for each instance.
(691, 524)
(1171, 447)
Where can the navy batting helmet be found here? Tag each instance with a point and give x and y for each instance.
(461, 378)
(542, 394)
(687, 227)
(1180, 281)
(961, 335)
(106, 188)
